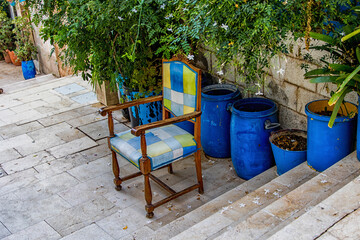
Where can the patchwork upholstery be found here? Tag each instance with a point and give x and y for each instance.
(164, 145)
(180, 88)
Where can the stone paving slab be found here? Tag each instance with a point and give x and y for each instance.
(72, 147)
(4, 232)
(14, 130)
(90, 232)
(27, 162)
(99, 129)
(38, 231)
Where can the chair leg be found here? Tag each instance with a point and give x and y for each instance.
(116, 171)
(170, 169)
(198, 171)
(148, 197)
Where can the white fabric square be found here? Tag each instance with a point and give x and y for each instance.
(161, 133)
(178, 152)
(177, 97)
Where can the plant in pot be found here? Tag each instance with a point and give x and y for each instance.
(5, 35)
(25, 49)
(332, 123)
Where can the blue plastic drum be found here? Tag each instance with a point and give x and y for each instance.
(215, 118)
(28, 69)
(326, 145)
(252, 121)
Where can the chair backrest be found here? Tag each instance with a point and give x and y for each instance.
(181, 87)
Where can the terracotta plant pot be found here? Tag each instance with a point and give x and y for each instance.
(13, 58)
(7, 57)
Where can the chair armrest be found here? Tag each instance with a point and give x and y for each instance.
(137, 131)
(104, 110)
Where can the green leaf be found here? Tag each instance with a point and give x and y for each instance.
(350, 35)
(339, 101)
(323, 37)
(316, 72)
(324, 79)
(348, 78)
(358, 53)
(341, 67)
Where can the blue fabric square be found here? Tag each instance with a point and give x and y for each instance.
(177, 109)
(151, 138)
(135, 143)
(167, 93)
(190, 100)
(176, 76)
(172, 143)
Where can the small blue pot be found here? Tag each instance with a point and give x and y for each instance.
(286, 159)
(28, 69)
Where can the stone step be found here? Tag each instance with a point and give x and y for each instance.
(182, 223)
(337, 216)
(19, 86)
(246, 205)
(280, 213)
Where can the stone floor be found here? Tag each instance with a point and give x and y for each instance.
(55, 170)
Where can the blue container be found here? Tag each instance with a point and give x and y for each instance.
(28, 69)
(144, 113)
(286, 159)
(215, 118)
(326, 146)
(252, 121)
(358, 133)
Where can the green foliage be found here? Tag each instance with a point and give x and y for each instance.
(25, 49)
(345, 66)
(5, 32)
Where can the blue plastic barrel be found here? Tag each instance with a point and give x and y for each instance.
(286, 159)
(252, 121)
(215, 118)
(144, 113)
(325, 145)
(28, 69)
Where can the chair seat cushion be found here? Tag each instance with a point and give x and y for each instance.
(164, 145)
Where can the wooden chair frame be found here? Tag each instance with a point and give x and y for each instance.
(139, 131)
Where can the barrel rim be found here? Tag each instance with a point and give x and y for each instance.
(273, 109)
(236, 92)
(323, 118)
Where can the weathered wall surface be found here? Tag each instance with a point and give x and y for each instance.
(285, 84)
(47, 61)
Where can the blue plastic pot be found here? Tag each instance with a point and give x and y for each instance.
(144, 113)
(215, 118)
(325, 145)
(28, 69)
(286, 159)
(252, 121)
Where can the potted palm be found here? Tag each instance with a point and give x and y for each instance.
(25, 48)
(336, 117)
(5, 35)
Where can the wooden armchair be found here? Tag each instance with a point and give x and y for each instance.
(156, 145)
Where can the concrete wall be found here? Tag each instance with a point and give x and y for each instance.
(285, 84)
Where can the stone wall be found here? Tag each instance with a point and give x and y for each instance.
(285, 84)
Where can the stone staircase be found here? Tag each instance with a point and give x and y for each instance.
(300, 204)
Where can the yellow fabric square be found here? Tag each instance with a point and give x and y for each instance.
(127, 136)
(188, 109)
(189, 79)
(185, 140)
(166, 75)
(157, 149)
(167, 104)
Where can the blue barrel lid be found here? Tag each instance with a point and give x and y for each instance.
(220, 92)
(254, 107)
(311, 107)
